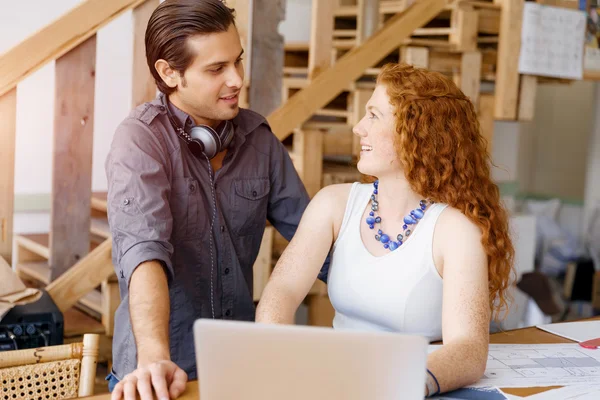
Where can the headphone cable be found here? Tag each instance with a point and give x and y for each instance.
(212, 222)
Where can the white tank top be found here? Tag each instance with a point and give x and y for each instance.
(400, 291)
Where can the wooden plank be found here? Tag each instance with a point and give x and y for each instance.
(470, 75)
(489, 21)
(367, 19)
(72, 163)
(58, 38)
(320, 311)
(143, 87)
(267, 56)
(416, 56)
(338, 142)
(463, 35)
(263, 265)
(83, 277)
(527, 92)
(243, 24)
(350, 67)
(99, 201)
(35, 243)
(507, 70)
(78, 323)
(308, 148)
(361, 98)
(432, 32)
(37, 270)
(8, 129)
(321, 37)
(110, 301)
(486, 118)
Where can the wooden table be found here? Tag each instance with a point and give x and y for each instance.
(517, 336)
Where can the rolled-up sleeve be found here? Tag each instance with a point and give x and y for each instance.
(138, 199)
(288, 197)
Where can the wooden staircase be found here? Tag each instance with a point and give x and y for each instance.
(31, 262)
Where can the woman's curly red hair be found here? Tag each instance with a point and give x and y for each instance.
(445, 159)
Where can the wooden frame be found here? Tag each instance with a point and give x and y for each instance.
(72, 157)
(58, 38)
(8, 116)
(351, 66)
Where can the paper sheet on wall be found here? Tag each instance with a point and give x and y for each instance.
(552, 40)
(520, 365)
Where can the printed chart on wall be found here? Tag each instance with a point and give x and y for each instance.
(512, 365)
(591, 57)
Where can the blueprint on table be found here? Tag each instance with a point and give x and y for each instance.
(520, 365)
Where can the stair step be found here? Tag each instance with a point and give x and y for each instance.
(39, 243)
(99, 227)
(93, 301)
(77, 323)
(99, 201)
(37, 270)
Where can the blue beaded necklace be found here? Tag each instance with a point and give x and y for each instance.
(411, 219)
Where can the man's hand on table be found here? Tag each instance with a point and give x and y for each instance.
(165, 377)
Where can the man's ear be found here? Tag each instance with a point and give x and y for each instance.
(168, 74)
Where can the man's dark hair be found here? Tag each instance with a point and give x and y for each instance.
(172, 23)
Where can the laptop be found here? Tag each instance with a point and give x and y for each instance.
(252, 361)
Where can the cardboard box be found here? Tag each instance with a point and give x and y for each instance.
(12, 291)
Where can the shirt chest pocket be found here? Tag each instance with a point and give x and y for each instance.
(250, 204)
(185, 199)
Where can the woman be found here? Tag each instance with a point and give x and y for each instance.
(423, 249)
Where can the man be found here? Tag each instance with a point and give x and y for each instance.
(192, 181)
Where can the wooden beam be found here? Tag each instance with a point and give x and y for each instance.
(320, 311)
(263, 265)
(58, 38)
(527, 92)
(470, 75)
(308, 151)
(338, 142)
(8, 127)
(507, 69)
(416, 56)
(144, 87)
(361, 98)
(110, 301)
(72, 157)
(350, 67)
(83, 277)
(243, 23)
(321, 37)
(489, 21)
(267, 56)
(463, 35)
(486, 118)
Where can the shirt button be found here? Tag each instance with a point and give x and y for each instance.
(254, 193)
(222, 228)
(126, 202)
(161, 108)
(192, 188)
(226, 271)
(228, 313)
